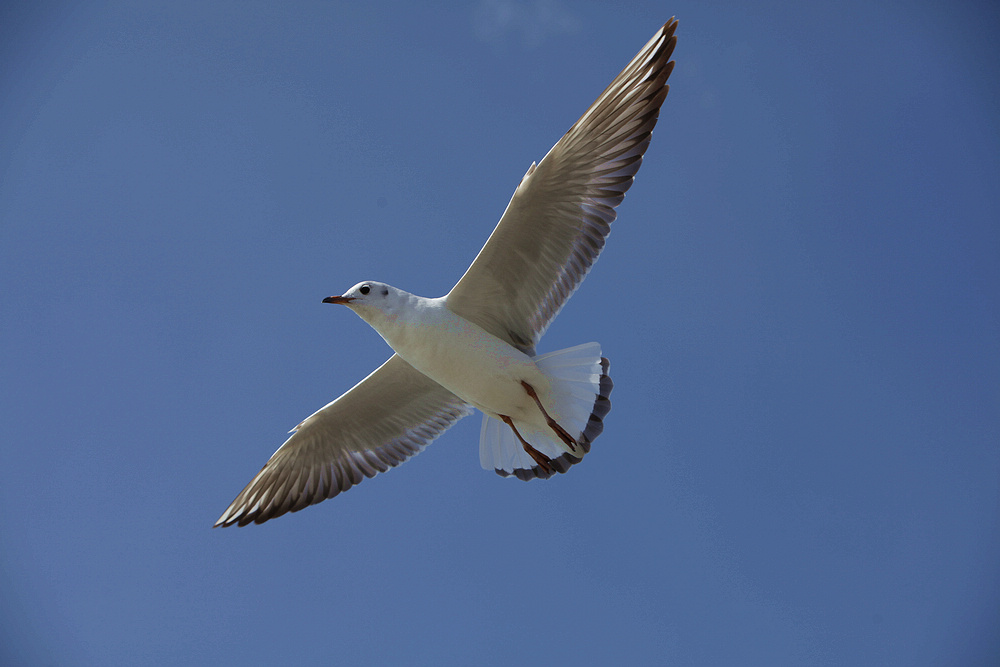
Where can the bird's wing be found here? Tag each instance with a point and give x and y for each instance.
(556, 223)
(385, 419)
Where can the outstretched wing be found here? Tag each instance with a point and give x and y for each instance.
(385, 419)
(556, 223)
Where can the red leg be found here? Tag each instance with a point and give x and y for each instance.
(542, 460)
(553, 424)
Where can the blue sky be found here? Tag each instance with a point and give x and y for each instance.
(799, 300)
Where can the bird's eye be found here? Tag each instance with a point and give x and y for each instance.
(365, 289)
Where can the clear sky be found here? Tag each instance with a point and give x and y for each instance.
(799, 300)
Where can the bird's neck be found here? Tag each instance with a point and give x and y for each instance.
(406, 317)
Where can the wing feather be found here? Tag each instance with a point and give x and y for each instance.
(556, 223)
(384, 420)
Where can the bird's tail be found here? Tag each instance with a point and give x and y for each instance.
(580, 390)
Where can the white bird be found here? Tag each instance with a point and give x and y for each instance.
(475, 346)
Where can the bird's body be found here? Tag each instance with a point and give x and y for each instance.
(481, 369)
(475, 346)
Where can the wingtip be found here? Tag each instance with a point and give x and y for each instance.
(667, 33)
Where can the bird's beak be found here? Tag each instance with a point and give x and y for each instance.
(339, 299)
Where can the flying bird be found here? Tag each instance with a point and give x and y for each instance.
(474, 348)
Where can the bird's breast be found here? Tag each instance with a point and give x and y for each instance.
(467, 360)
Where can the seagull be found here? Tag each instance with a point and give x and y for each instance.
(474, 348)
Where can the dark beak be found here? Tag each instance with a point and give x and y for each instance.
(339, 299)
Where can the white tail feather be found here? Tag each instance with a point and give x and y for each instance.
(575, 375)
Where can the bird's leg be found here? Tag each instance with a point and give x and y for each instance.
(542, 460)
(553, 424)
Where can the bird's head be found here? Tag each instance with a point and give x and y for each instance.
(370, 300)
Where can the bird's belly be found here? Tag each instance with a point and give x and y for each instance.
(476, 366)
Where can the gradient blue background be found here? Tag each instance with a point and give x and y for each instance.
(799, 300)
